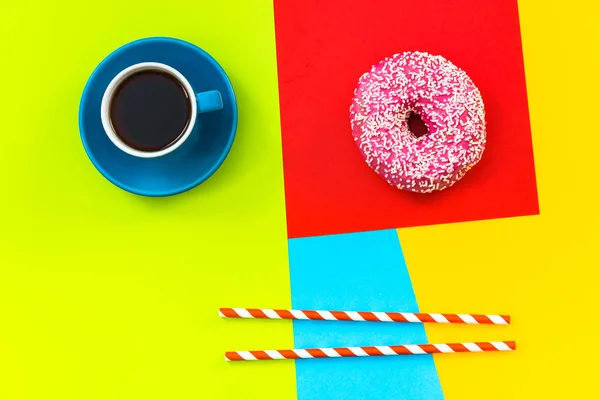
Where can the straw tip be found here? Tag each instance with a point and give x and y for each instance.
(512, 344)
(506, 318)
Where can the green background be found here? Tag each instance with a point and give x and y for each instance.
(106, 295)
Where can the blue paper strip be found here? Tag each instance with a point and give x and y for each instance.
(358, 272)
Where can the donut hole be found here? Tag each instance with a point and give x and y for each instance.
(416, 125)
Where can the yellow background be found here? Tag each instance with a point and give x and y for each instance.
(105, 295)
(543, 270)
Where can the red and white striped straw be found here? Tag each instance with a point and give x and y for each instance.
(473, 319)
(369, 351)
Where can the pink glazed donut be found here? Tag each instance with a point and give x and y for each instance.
(449, 105)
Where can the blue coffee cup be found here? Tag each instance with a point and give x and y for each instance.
(196, 155)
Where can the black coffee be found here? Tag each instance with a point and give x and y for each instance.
(150, 110)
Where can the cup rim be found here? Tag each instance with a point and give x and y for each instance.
(110, 91)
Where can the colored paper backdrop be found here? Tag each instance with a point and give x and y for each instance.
(105, 295)
(324, 47)
(108, 295)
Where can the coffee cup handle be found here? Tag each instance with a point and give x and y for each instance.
(209, 101)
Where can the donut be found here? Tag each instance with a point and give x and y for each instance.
(449, 105)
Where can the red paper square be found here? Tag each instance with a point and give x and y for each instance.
(323, 47)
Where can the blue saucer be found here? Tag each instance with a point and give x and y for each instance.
(201, 154)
